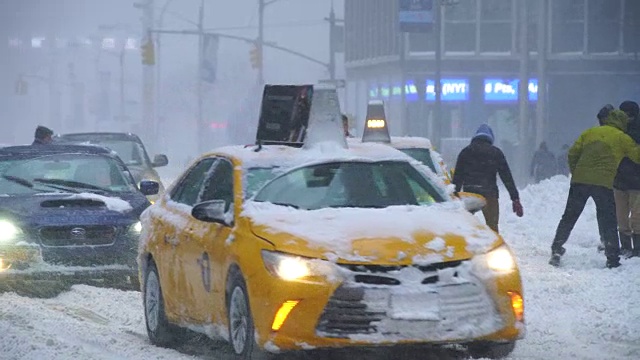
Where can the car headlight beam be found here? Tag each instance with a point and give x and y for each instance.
(501, 259)
(295, 268)
(8, 231)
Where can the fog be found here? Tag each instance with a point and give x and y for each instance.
(94, 104)
(82, 84)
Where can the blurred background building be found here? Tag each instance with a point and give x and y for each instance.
(589, 57)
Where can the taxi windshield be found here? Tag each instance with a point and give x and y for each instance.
(422, 155)
(351, 184)
(63, 172)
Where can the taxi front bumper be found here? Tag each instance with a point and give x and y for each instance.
(354, 313)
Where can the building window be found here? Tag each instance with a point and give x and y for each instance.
(631, 27)
(460, 21)
(496, 25)
(603, 25)
(422, 42)
(567, 26)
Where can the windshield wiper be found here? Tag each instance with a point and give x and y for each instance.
(71, 184)
(19, 180)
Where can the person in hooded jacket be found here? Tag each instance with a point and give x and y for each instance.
(476, 172)
(42, 136)
(563, 161)
(626, 189)
(543, 164)
(593, 161)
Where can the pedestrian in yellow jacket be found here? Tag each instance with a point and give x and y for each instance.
(593, 162)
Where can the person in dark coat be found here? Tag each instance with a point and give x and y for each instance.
(593, 160)
(626, 189)
(476, 172)
(42, 136)
(543, 164)
(563, 161)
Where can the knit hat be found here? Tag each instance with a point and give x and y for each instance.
(604, 112)
(42, 132)
(484, 132)
(631, 108)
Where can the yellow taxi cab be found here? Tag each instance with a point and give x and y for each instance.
(300, 243)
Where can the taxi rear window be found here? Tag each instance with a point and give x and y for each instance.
(422, 155)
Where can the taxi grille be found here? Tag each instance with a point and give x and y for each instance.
(346, 314)
(361, 306)
(77, 235)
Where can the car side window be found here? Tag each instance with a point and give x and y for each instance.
(219, 186)
(188, 190)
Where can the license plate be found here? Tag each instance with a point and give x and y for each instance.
(415, 306)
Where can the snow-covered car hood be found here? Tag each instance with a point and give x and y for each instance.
(397, 235)
(68, 205)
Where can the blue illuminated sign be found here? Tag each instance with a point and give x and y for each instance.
(507, 90)
(451, 90)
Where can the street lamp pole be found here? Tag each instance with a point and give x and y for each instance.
(200, 126)
(261, 5)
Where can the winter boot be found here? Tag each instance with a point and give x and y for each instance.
(636, 245)
(601, 246)
(625, 245)
(613, 262)
(556, 254)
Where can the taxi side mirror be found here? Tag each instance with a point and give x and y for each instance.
(148, 187)
(472, 202)
(213, 211)
(160, 160)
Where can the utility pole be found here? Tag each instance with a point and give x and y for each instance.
(261, 6)
(541, 105)
(437, 110)
(523, 87)
(201, 128)
(332, 49)
(148, 76)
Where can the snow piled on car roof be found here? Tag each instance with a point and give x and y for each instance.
(405, 142)
(286, 156)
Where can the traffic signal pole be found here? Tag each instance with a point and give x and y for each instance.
(201, 126)
(148, 77)
(260, 43)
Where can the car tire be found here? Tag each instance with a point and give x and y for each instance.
(491, 350)
(241, 327)
(160, 331)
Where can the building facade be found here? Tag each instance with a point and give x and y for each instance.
(590, 56)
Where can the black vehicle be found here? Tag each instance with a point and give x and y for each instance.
(130, 149)
(69, 211)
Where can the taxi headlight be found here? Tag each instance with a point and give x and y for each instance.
(8, 231)
(295, 268)
(499, 260)
(137, 227)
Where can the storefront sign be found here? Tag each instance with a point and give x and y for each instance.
(451, 90)
(415, 16)
(507, 90)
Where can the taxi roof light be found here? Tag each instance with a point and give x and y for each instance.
(376, 127)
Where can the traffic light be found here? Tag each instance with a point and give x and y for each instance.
(148, 53)
(256, 57)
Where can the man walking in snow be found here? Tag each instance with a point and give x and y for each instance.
(543, 164)
(476, 172)
(626, 189)
(593, 161)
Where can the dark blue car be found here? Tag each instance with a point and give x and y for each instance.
(69, 211)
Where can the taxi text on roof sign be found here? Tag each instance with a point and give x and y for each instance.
(298, 115)
(376, 127)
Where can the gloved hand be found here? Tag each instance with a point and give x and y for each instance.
(517, 207)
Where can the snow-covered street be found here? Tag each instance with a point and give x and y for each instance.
(579, 311)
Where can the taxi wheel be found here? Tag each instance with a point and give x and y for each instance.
(491, 350)
(160, 331)
(241, 328)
